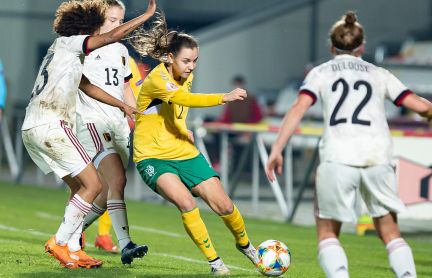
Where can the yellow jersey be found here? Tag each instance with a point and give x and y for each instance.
(162, 132)
(136, 80)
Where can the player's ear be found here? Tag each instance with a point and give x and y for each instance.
(170, 58)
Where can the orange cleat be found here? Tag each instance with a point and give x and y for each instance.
(61, 253)
(105, 242)
(84, 260)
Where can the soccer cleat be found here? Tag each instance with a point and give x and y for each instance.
(105, 242)
(250, 252)
(131, 251)
(218, 267)
(84, 260)
(61, 253)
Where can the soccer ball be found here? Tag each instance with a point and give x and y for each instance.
(274, 258)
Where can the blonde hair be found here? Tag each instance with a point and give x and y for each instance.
(157, 42)
(79, 17)
(347, 33)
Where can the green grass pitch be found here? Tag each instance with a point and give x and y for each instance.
(29, 215)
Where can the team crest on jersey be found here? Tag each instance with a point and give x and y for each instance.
(107, 137)
(170, 86)
(123, 60)
(150, 171)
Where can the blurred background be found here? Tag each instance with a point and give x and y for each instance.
(266, 46)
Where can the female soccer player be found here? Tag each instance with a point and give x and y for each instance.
(47, 129)
(164, 151)
(356, 147)
(103, 131)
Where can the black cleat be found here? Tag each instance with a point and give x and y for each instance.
(132, 251)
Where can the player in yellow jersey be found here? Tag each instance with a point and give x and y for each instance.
(164, 150)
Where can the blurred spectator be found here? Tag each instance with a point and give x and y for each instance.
(3, 91)
(247, 111)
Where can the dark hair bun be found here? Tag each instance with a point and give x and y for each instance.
(350, 18)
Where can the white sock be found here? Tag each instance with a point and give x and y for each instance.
(332, 258)
(95, 212)
(73, 218)
(73, 243)
(401, 258)
(118, 216)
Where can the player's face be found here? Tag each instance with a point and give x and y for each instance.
(185, 62)
(114, 17)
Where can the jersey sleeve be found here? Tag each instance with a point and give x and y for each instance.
(311, 85)
(3, 91)
(77, 44)
(396, 90)
(167, 91)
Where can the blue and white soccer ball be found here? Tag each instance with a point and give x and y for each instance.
(274, 258)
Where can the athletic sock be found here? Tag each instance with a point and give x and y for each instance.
(235, 224)
(197, 230)
(118, 216)
(73, 218)
(332, 258)
(95, 212)
(401, 258)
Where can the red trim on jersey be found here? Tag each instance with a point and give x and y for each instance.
(398, 101)
(309, 93)
(86, 50)
(127, 78)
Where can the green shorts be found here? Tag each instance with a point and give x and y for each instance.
(190, 171)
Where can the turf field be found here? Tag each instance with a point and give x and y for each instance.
(29, 215)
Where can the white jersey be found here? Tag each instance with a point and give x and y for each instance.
(352, 93)
(54, 93)
(108, 68)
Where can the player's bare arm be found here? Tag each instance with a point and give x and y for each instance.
(290, 122)
(100, 95)
(123, 30)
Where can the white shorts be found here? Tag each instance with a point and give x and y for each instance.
(54, 148)
(101, 138)
(338, 187)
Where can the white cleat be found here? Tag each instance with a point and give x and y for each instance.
(249, 252)
(218, 268)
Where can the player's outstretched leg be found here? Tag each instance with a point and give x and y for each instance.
(197, 230)
(235, 223)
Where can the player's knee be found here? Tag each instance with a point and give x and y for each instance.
(224, 208)
(186, 204)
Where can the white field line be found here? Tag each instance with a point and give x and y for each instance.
(37, 233)
(156, 231)
(49, 216)
(186, 259)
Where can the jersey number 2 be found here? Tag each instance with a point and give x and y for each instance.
(345, 90)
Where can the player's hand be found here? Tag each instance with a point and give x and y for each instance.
(191, 136)
(129, 110)
(236, 94)
(151, 8)
(274, 163)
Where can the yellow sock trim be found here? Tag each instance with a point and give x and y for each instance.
(235, 224)
(197, 230)
(104, 226)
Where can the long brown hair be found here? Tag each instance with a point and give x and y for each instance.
(158, 41)
(79, 17)
(347, 33)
